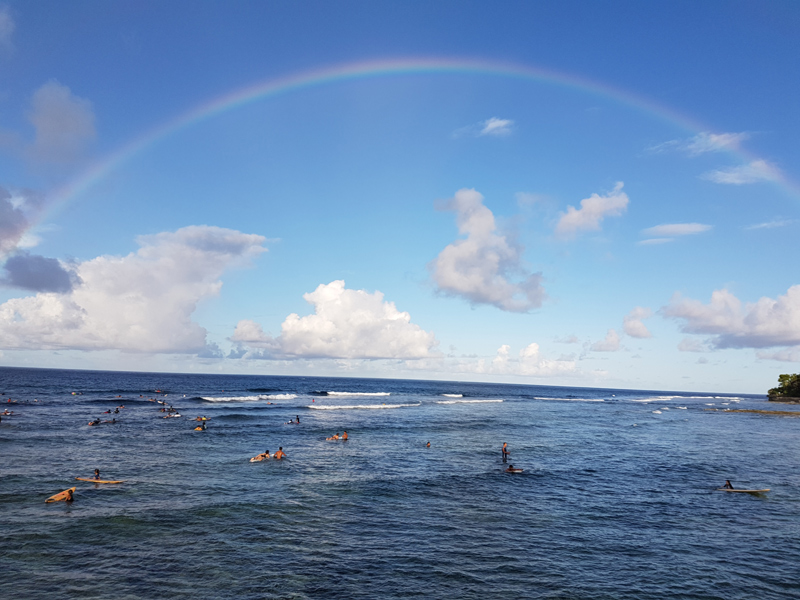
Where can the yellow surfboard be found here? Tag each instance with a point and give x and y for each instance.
(61, 496)
(99, 480)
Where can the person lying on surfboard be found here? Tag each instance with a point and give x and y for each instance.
(335, 437)
(728, 485)
(263, 456)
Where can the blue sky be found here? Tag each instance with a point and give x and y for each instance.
(564, 193)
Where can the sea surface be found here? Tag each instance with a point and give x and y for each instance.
(617, 499)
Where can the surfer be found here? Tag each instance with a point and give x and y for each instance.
(263, 456)
(95, 422)
(335, 437)
(298, 419)
(97, 473)
(69, 497)
(428, 445)
(728, 485)
(344, 436)
(511, 469)
(505, 452)
(280, 454)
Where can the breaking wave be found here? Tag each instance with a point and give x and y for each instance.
(358, 393)
(464, 401)
(360, 406)
(453, 395)
(249, 398)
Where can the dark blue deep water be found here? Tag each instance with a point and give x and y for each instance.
(617, 499)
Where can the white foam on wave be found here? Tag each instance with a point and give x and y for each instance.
(453, 395)
(249, 398)
(657, 412)
(681, 407)
(359, 393)
(361, 406)
(570, 399)
(466, 401)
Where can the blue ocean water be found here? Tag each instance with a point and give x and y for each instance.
(617, 498)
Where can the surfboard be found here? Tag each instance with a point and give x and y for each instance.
(742, 491)
(61, 496)
(99, 480)
(254, 459)
(514, 470)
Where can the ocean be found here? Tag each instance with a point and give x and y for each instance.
(617, 498)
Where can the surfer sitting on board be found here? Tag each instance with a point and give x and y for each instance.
(97, 473)
(344, 436)
(505, 452)
(335, 437)
(280, 453)
(728, 485)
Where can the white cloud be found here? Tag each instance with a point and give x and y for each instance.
(496, 127)
(703, 143)
(772, 224)
(691, 345)
(7, 27)
(655, 241)
(142, 302)
(479, 267)
(632, 323)
(345, 324)
(609, 344)
(675, 230)
(714, 142)
(529, 362)
(64, 124)
(593, 210)
(763, 324)
(757, 170)
(786, 355)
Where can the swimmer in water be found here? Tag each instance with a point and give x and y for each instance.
(280, 454)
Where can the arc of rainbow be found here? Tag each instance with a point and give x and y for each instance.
(361, 70)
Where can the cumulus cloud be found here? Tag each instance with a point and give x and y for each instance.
(345, 324)
(142, 302)
(529, 362)
(609, 344)
(38, 274)
(763, 324)
(753, 172)
(17, 211)
(632, 323)
(703, 143)
(480, 267)
(692, 345)
(64, 124)
(593, 210)
(7, 27)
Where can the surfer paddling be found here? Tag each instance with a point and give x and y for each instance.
(259, 457)
(334, 437)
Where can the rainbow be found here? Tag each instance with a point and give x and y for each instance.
(363, 70)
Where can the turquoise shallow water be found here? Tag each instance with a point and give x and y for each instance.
(616, 501)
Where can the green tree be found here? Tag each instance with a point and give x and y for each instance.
(789, 386)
